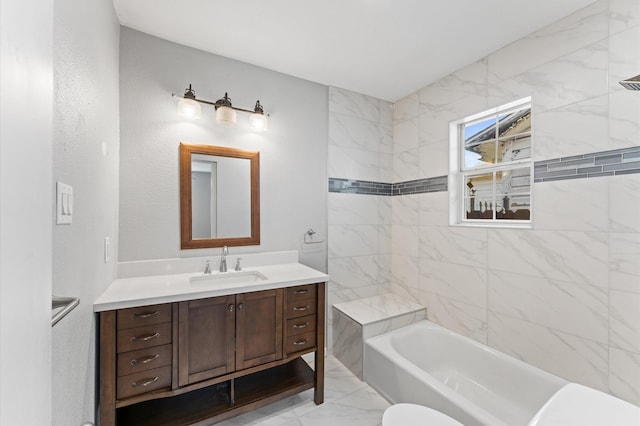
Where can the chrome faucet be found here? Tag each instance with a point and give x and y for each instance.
(207, 267)
(223, 259)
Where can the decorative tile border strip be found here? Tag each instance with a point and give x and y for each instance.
(419, 186)
(596, 164)
(605, 163)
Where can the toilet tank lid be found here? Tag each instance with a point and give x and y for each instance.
(575, 404)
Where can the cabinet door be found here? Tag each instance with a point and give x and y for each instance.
(258, 328)
(206, 339)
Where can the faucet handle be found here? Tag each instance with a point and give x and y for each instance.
(207, 267)
(238, 267)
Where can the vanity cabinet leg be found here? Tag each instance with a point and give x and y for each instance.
(107, 362)
(318, 396)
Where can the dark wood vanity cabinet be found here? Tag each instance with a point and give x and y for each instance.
(205, 360)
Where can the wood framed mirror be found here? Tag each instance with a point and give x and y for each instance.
(219, 197)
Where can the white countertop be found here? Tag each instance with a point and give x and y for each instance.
(151, 290)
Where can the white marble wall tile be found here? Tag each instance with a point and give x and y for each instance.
(384, 239)
(405, 210)
(405, 135)
(580, 310)
(624, 56)
(353, 164)
(571, 205)
(573, 78)
(392, 305)
(623, 14)
(386, 113)
(464, 246)
(352, 240)
(624, 262)
(580, 29)
(578, 257)
(343, 101)
(405, 240)
(466, 284)
(384, 270)
(405, 276)
(624, 317)
(434, 123)
(434, 159)
(406, 108)
(468, 320)
(355, 133)
(624, 375)
(624, 118)
(356, 271)
(385, 172)
(350, 209)
(624, 203)
(384, 210)
(385, 132)
(469, 81)
(573, 358)
(347, 342)
(434, 208)
(406, 166)
(341, 294)
(574, 129)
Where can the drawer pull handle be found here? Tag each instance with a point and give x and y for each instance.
(303, 291)
(303, 308)
(301, 342)
(145, 382)
(146, 360)
(306, 324)
(145, 338)
(145, 315)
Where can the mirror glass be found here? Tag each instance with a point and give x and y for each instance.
(219, 196)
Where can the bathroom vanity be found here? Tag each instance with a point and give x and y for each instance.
(197, 349)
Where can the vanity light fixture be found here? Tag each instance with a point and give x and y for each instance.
(189, 106)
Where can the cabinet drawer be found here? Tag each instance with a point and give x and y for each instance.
(300, 308)
(144, 359)
(301, 325)
(145, 381)
(300, 342)
(301, 292)
(143, 315)
(132, 339)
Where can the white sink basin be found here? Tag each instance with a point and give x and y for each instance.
(227, 278)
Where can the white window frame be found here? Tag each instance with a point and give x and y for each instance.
(458, 173)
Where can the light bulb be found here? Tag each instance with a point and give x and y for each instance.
(189, 108)
(258, 122)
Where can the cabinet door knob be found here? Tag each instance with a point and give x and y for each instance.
(231, 308)
(240, 306)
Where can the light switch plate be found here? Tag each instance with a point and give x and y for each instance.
(64, 204)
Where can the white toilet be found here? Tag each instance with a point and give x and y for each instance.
(415, 415)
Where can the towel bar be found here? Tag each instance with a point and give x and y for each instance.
(65, 304)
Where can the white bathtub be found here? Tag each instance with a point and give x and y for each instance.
(426, 364)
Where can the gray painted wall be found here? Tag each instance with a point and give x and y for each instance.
(85, 155)
(293, 152)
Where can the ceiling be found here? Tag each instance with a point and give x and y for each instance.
(382, 48)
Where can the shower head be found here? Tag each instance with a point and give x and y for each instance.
(632, 83)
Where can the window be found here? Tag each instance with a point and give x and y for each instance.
(490, 180)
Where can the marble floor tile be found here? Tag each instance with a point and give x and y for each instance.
(348, 402)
